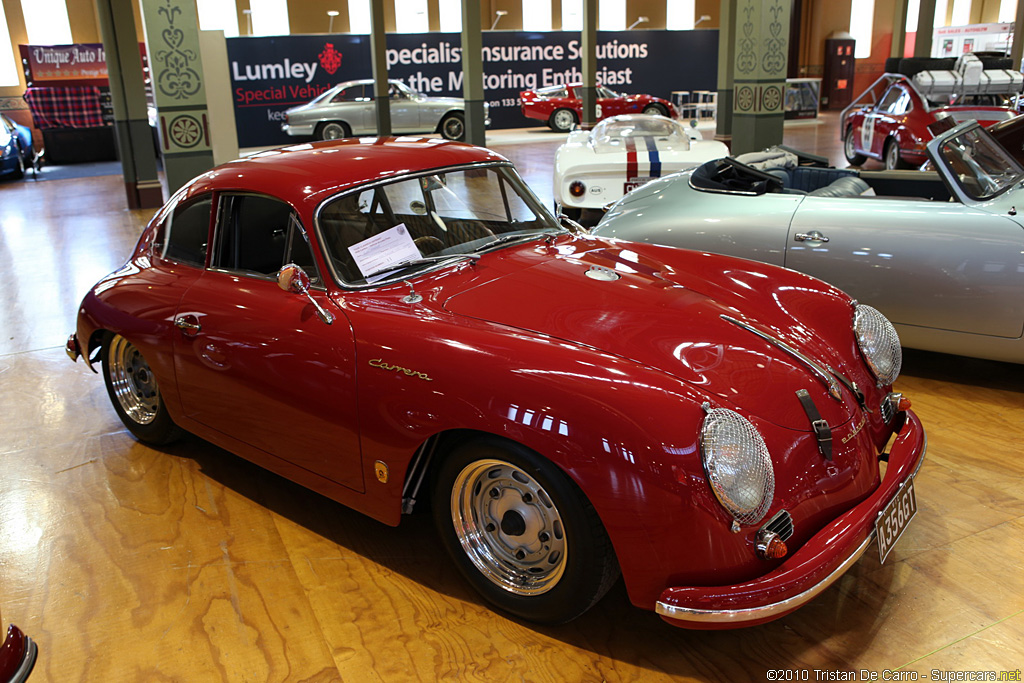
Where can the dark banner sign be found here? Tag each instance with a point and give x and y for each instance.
(269, 75)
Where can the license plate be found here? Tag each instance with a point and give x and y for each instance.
(893, 520)
(634, 183)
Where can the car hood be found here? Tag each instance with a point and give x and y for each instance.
(669, 318)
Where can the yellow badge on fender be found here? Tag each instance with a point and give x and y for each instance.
(380, 363)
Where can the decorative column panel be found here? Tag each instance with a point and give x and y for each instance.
(378, 56)
(172, 43)
(925, 28)
(127, 90)
(473, 73)
(726, 69)
(899, 28)
(588, 57)
(759, 81)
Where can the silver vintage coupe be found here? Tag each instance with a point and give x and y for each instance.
(348, 109)
(940, 253)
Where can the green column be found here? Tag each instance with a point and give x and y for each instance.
(759, 78)
(588, 48)
(925, 28)
(127, 90)
(172, 43)
(378, 55)
(473, 73)
(899, 28)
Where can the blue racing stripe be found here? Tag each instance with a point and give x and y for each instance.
(652, 154)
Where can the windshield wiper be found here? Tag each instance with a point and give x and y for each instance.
(420, 261)
(504, 239)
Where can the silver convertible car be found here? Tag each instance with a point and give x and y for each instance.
(348, 109)
(940, 253)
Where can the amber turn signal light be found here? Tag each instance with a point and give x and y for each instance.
(770, 546)
(577, 188)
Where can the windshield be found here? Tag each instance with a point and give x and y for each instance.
(981, 166)
(386, 231)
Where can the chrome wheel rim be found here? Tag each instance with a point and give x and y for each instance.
(850, 151)
(453, 128)
(892, 157)
(564, 119)
(134, 384)
(652, 111)
(333, 131)
(509, 527)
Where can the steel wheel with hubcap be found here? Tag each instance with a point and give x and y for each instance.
(892, 156)
(850, 149)
(562, 120)
(453, 126)
(135, 394)
(333, 130)
(521, 531)
(655, 110)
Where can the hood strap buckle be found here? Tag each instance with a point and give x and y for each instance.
(820, 426)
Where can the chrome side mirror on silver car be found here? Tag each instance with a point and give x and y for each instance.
(292, 278)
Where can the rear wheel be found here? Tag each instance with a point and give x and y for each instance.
(562, 120)
(655, 110)
(892, 155)
(453, 126)
(521, 532)
(850, 149)
(134, 392)
(332, 130)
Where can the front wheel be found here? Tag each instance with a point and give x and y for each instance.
(655, 110)
(134, 392)
(850, 149)
(521, 532)
(453, 126)
(562, 120)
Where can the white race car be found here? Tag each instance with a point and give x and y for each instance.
(597, 167)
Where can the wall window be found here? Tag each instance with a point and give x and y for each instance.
(359, 16)
(961, 13)
(536, 15)
(862, 19)
(572, 15)
(411, 16)
(8, 66)
(680, 15)
(450, 15)
(941, 7)
(1007, 10)
(269, 17)
(611, 15)
(46, 22)
(218, 15)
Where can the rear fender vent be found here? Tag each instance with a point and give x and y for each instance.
(781, 524)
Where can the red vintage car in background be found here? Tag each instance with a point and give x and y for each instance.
(561, 106)
(889, 121)
(418, 321)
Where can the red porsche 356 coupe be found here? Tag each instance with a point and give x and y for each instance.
(378, 317)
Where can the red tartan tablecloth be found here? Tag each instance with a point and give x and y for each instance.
(71, 107)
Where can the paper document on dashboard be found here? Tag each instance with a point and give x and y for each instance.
(380, 251)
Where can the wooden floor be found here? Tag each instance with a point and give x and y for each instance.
(188, 564)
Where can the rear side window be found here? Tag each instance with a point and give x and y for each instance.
(185, 233)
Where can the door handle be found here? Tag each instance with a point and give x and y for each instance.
(188, 324)
(812, 236)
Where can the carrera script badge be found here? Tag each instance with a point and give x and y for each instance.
(383, 365)
(856, 430)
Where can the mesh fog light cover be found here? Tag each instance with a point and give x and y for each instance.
(879, 343)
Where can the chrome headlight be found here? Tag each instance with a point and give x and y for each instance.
(737, 464)
(879, 343)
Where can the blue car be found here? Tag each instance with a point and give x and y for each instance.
(16, 145)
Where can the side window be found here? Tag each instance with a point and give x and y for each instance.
(256, 235)
(890, 99)
(185, 233)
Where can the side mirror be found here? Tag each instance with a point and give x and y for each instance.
(292, 278)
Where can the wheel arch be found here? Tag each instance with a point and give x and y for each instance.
(445, 114)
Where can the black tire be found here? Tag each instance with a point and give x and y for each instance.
(891, 156)
(133, 391)
(332, 130)
(453, 126)
(655, 109)
(849, 149)
(548, 559)
(562, 120)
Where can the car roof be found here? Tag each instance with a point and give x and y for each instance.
(305, 174)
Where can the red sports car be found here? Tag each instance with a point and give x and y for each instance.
(17, 656)
(890, 120)
(561, 106)
(419, 322)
